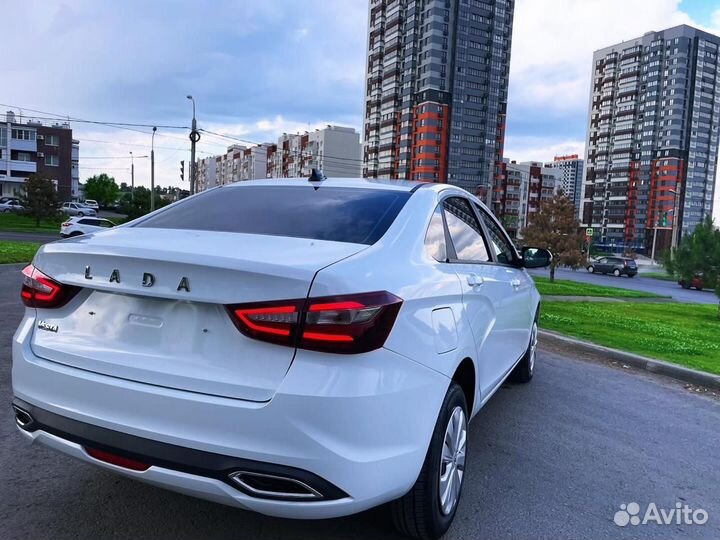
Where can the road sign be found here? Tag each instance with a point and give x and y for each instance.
(589, 232)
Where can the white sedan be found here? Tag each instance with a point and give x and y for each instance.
(11, 205)
(76, 226)
(77, 209)
(305, 349)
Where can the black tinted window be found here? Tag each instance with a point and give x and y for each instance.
(465, 231)
(360, 216)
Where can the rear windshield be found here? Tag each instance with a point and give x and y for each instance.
(360, 216)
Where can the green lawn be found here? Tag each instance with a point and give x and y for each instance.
(17, 252)
(20, 223)
(564, 287)
(658, 275)
(686, 334)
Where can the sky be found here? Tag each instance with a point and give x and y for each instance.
(258, 68)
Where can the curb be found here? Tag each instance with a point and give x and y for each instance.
(661, 367)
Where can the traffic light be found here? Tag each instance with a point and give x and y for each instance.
(182, 171)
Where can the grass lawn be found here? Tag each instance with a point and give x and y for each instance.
(686, 334)
(17, 252)
(658, 275)
(564, 287)
(20, 223)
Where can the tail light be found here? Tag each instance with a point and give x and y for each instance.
(66, 224)
(340, 324)
(41, 291)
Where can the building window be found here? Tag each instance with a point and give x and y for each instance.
(52, 161)
(52, 140)
(23, 134)
(3, 137)
(24, 156)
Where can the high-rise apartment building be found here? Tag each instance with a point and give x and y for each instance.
(523, 187)
(436, 90)
(571, 168)
(30, 147)
(652, 138)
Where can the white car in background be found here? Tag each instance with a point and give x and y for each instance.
(90, 203)
(75, 226)
(77, 209)
(304, 349)
(11, 205)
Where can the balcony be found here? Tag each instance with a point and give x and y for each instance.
(20, 166)
(23, 145)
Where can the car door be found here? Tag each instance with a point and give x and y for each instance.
(517, 284)
(484, 304)
(601, 265)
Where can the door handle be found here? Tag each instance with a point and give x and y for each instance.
(474, 280)
(515, 283)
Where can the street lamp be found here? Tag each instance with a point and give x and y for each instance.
(673, 235)
(194, 138)
(132, 178)
(152, 170)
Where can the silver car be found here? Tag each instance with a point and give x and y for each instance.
(77, 209)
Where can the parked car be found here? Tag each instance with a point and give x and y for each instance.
(90, 203)
(301, 349)
(697, 282)
(77, 209)
(76, 226)
(11, 205)
(3, 200)
(617, 266)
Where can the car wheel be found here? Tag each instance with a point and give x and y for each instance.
(428, 509)
(525, 368)
(684, 285)
(80, 214)
(616, 273)
(591, 269)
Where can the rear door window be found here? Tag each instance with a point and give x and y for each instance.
(465, 231)
(435, 237)
(355, 215)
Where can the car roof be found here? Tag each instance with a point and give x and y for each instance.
(357, 183)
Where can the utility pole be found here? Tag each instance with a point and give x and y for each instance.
(194, 138)
(676, 220)
(152, 170)
(132, 178)
(652, 255)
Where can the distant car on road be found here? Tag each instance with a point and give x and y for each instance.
(77, 209)
(11, 205)
(75, 226)
(617, 266)
(91, 203)
(697, 282)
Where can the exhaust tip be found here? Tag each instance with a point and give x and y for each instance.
(274, 486)
(22, 417)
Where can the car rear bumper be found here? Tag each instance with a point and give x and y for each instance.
(354, 427)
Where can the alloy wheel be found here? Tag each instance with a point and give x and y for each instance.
(452, 461)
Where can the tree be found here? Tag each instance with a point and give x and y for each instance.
(101, 188)
(39, 198)
(699, 252)
(555, 228)
(139, 204)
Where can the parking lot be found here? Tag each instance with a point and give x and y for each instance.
(552, 459)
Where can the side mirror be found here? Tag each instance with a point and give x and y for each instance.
(533, 257)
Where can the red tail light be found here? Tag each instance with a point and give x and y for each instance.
(66, 224)
(114, 459)
(41, 291)
(340, 324)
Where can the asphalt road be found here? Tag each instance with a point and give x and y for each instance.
(42, 238)
(638, 283)
(552, 459)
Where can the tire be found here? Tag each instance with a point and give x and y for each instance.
(420, 513)
(591, 269)
(616, 273)
(81, 214)
(525, 369)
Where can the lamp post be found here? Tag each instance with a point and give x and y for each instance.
(194, 138)
(152, 170)
(132, 178)
(673, 235)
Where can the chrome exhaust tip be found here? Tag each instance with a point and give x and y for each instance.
(22, 418)
(273, 486)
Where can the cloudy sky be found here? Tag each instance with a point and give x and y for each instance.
(258, 68)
